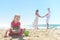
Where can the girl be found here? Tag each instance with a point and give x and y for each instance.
(15, 27)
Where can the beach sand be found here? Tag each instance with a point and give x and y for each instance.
(37, 34)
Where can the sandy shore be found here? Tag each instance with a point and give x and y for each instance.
(37, 34)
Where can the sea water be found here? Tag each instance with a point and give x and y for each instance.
(39, 26)
(44, 26)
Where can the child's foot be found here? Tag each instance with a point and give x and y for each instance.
(5, 36)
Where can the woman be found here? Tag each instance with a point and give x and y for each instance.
(35, 24)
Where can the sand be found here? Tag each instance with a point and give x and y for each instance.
(37, 34)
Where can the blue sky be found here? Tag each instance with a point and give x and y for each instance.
(26, 8)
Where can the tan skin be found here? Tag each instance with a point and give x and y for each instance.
(37, 13)
(47, 15)
(43, 16)
(48, 12)
(16, 19)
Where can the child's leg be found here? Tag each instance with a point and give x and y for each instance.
(21, 31)
(7, 33)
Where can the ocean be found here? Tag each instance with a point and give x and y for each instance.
(39, 26)
(44, 26)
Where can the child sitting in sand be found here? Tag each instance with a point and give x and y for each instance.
(15, 27)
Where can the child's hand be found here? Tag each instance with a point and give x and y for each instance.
(11, 28)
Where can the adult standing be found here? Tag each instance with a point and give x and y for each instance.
(35, 24)
(48, 17)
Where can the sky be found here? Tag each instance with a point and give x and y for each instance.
(26, 9)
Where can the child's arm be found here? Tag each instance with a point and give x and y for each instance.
(12, 25)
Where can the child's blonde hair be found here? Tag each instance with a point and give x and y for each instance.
(17, 15)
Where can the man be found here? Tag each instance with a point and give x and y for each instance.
(47, 17)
